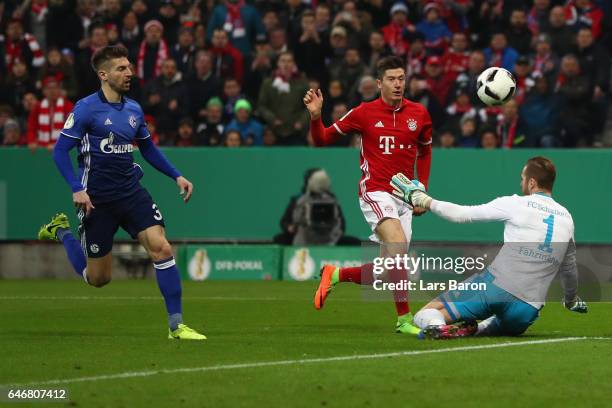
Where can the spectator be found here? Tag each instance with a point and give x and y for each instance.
(489, 139)
(377, 49)
(540, 115)
(561, 35)
(467, 133)
(335, 94)
(476, 64)
(457, 57)
(546, 62)
(261, 68)
(270, 21)
(165, 98)
(20, 46)
(595, 64)
(447, 139)
(64, 26)
(510, 127)
(183, 52)
(518, 33)
(6, 113)
(47, 119)
(584, 14)
(349, 72)
(56, 65)
(185, 136)
(323, 20)
(338, 42)
(27, 105)
(152, 53)
(232, 139)
(537, 19)
(251, 131)
(210, 131)
(499, 54)
(523, 80)
(367, 90)
(227, 60)
(278, 42)
(169, 19)
(418, 91)
(37, 18)
(437, 34)
(18, 84)
(242, 23)
(395, 32)
(12, 134)
(417, 55)
(292, 15)
(199, 34)
(438, 82)
(202, 85)
(112, 12)
(460, 108)
(310, 49)
(87, 78)
(574, 89)
(231, 93)
(131, 34)
(280, 102)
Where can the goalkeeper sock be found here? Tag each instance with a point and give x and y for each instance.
(361, 275)
(429, 317)
(489, 327)
(169, 283)
(75, 253)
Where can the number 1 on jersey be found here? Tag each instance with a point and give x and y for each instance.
(550, 222)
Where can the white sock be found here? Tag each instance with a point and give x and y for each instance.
(84, 273)
(429, 317)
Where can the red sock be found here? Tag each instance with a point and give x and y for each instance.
(400, 297)
(361, 275)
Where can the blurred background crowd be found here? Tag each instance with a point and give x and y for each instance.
(233, 72)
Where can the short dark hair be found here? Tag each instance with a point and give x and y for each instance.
(390, 62)
(107, 53)
(542, 170)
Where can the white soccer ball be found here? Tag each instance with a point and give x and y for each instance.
(495, 86)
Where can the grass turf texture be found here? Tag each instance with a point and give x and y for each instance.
(49, 333)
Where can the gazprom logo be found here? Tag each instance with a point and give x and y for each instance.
(107, 146)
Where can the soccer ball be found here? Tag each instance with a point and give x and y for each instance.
(495, 86)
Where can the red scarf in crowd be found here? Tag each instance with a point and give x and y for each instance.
(49, 121)
(233, 19)
(40, 11)
(14, 52)
(162, 54)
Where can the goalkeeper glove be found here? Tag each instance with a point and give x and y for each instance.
(577, 305)
(410, 191)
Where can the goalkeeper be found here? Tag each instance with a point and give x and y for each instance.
(538, 245)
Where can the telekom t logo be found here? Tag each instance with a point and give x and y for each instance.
(386, 143)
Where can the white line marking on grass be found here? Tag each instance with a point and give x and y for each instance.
(232, 298)
(133, 374)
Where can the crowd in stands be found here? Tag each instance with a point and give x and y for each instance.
(233, 72)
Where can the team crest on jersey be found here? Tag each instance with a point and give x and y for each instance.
(94, 248)
(133, 121)
(412, 124)
(70, 121)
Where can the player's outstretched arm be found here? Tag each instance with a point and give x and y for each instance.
(413, 193)
(156, 158)
(320, 134)
(568, 274)
(61, 157)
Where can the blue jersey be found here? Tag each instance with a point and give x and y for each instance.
(107, 132)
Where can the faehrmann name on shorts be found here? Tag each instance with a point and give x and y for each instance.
(404, 284)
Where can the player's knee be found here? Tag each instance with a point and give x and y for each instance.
(98, 281)
(163, 250)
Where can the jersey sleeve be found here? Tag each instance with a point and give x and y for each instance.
(426, 130)
(143, 131)
(499, 209)
(350, 122)
(77, 123)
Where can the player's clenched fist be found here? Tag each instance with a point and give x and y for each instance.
(314, 103)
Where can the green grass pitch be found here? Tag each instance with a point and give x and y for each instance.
(64, 330)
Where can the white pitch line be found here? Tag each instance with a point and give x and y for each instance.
(133, 374)
(232, 298)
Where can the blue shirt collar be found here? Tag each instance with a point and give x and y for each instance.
(116, 105)
(543, 194)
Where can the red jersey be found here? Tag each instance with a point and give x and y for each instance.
(391, 141)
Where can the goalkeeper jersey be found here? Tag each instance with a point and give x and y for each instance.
(538, 243)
